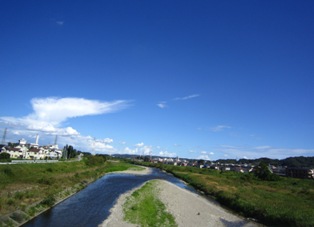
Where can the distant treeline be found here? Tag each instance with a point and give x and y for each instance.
(300, 161)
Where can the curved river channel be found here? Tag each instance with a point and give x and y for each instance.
(91, 206)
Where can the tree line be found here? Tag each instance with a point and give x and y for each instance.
(299, 162)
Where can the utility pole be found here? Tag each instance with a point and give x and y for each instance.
(56, 140)
(4, 136)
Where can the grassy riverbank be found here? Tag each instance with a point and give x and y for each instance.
(27, 189)
(285, 202)
(143, 208)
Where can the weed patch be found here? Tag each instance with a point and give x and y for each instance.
(145, 209)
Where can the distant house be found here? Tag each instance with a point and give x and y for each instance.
(169, 161)
(35, 153)
(15, 152)
(305, 173)
(54, 154)
(237, 168)
(23, 150)
(279, 170)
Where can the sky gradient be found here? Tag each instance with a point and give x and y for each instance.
(194, 79)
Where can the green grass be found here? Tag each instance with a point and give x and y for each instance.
(286, 202)
(143, 208)
(33, 187)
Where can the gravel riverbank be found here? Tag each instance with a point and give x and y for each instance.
(189, 209)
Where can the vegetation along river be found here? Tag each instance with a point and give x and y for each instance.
(91, 206)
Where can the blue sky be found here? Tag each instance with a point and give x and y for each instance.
(194, 79)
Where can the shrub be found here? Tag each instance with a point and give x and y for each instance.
(49, 201)
(5, 157)
(95, 160)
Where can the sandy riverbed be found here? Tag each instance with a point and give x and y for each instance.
(144, 171)
(189, 209)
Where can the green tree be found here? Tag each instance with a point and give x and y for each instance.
(201, 162)
(69, 152)
(4, 157)
(263, 172)
(146, 159)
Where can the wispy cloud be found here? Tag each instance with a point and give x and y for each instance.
(164, 104)
(219, 128)
(60, 23)
(186, 97)
(262, 151)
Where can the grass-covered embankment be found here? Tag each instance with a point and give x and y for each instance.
(32, 188)
(143, 208)
(284, 202)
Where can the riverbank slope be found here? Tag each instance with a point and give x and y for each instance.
(26, 190)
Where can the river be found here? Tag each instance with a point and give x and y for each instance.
(91, 206)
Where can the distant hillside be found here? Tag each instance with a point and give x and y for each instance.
(290, 162)
(298, 162)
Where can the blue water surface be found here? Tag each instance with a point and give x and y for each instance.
(91, 206)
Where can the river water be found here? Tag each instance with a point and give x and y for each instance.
(91, 206)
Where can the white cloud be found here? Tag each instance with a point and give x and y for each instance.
(89, 144)
(204, 157)
(128, 150)
(139, 149)
(162, 105)
(186, 97)
(99, 146)
(69, 131)
(49, 113)
(107, 140)
(262, 147)
(147, 150)
(60, 23)
(57, 110)
(219, 128)
(167, 154)
(140, 144)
